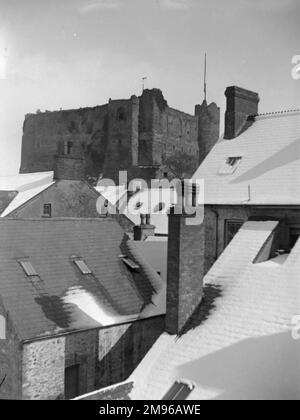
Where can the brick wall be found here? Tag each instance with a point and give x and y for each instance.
(186, 254)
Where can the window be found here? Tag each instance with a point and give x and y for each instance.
(230, 165)
(2, 328)
(231, 228)
(121, 114)
(47, 210)
(130, 263)
(71, 382)
(294, 234)
(28, 268)
(178, 391)
(82, 266)
(68, 147)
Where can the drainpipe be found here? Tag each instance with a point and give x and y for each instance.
(217, 231)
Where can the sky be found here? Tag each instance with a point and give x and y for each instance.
(76, 53)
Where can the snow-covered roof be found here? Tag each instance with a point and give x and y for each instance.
(66, 297)
(269, 169)
(27, 186)
(155, 252)
(239, 345)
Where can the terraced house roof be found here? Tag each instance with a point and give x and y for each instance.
(60, 275)
(260, 166)
(238, 344)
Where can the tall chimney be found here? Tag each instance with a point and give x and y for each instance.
(144, 229)
(241, 103)
(185, 269)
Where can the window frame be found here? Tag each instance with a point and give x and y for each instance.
(227, 168)
(82, 266)
(2, 327)
(49, 213)
(177, 390)
(226, 223)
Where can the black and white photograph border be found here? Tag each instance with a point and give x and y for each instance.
(149, 202)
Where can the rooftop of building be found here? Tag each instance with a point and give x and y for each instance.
(238, 344)
(63, 274)
(259, 167)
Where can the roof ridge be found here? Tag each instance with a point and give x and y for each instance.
(55, 219)
(275, 113)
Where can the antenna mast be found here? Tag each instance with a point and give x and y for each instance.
(144, 79)
(204, 78)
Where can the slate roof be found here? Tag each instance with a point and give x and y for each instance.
(21, 188)
(62, 299)
(238, 344)
(120, 391)
(269, 171)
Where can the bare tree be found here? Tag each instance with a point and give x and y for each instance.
(181, 164)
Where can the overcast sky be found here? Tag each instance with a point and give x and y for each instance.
(75, 53)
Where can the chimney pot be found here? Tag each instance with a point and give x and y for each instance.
(145, 229)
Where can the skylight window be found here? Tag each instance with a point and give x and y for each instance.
(130, 263)
(28, 268)
(230, 165)
(82, 266)
(178, 391)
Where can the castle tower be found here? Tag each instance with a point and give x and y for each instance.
(208, 127)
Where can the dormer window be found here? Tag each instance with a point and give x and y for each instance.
(2, 328)
(130, 263)
(230, 165)
(84, 269)
(178, 391)
(28, 268)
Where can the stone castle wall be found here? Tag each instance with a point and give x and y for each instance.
(134, 134)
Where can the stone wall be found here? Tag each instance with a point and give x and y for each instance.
(164, 130)
(10, 361)
(43, 369)
(122, 347)
(104, 133)
(105, 356)
(120, 135)
(67, 199)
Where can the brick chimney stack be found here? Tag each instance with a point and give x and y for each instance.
(144, 229)
(69, 162)
(241, 103)
(185, 269)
